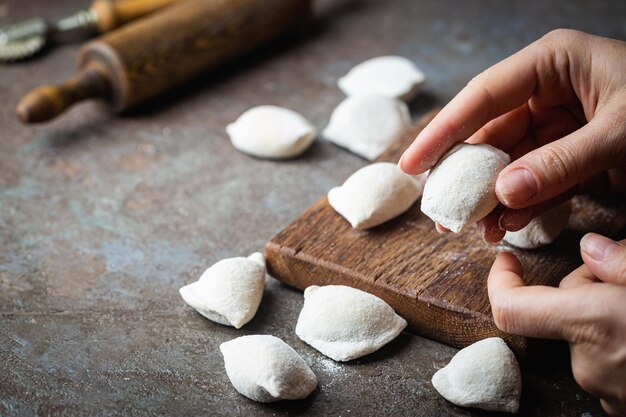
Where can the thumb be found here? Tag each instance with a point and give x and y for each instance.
(558, 166)
(606, 258)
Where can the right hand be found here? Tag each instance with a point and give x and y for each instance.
(558, 107)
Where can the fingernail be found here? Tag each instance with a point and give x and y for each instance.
(514, 220)
(598, 247)
(517, 186)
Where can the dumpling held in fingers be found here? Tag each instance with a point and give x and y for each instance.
(345, 323)
(375, 194)
(461, 187)
(230, 291)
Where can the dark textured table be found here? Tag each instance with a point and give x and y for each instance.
(103, 218)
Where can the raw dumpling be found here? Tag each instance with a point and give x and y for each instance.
(345, 323)
(368, 124)
(266, 369)
(390, 76)
(375, 194)
(461, 188)
(271, 132)
(483, 375)
(230, 291)
(542, 230)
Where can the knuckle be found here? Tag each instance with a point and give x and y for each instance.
(556, 165)
(561, 37)
(585, 378)
(503, 315)
(479, 83)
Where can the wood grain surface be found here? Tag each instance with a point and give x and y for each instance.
(152, 55)
(436, 282)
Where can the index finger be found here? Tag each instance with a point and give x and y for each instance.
(535, 311)
(498, 90)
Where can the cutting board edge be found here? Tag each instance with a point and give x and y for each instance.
(425, 317)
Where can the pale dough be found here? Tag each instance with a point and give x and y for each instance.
(541, 230)
(230, 291)
(368, 124)
(483, 375)
(344, 323)
(271, 132)
(375, 194)
(390, 76)
(460, 189)
(266, 369)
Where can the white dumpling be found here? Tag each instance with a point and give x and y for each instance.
(390, 76)
(230, 291)
(483, 375)
(375, 194)
(344, 323)
(368, 124)
(541, 230)
(266, 369)
(461, 187)
(271, 132)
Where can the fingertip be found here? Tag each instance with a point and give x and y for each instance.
(507, 262)
(440, 229)
(516, 186)
(515, 219)
(409, 164)
(605, 257)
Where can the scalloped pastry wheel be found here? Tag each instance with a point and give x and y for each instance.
(344, 323)
(461, 187)
(230, 291)
(367, 124)
(271, 132)
(483, 375)
(375, 194)
(266, 369)
(390, 76)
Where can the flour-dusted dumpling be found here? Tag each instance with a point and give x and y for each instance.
(461, 188)
(483, 375)
(345, 323)
(542, 230)
(230, 291)
(271, 132)
(266, 369)
(375, 194)
(368, 124)
(390, 76)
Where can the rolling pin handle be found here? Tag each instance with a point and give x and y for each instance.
(112, 14)
(47, 102)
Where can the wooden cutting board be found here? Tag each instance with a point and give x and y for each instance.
(436, 282)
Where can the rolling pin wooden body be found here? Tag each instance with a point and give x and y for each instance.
(150, 56)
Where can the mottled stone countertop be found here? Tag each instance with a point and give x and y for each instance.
(103, 218)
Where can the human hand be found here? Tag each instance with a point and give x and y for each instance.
(587, 310)
(558, 107)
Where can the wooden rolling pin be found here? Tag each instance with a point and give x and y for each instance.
(145, 58)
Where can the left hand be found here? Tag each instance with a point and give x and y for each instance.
(588, 310)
